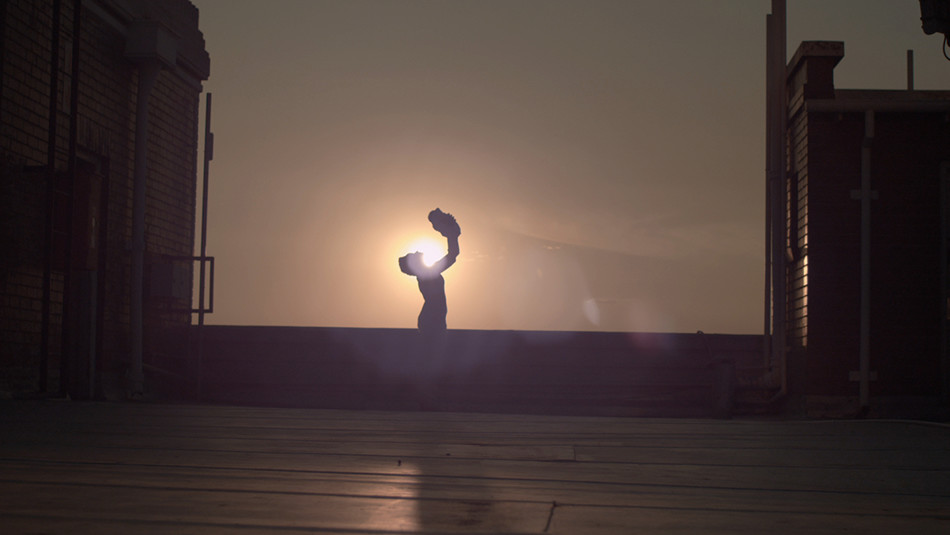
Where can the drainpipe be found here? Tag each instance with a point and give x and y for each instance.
(769, 132)
(776, 215)
(45, 327)
(864, 373)
(70, 352)
(150, 46)
(148, 73)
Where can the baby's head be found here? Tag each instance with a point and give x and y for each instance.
(411, 264)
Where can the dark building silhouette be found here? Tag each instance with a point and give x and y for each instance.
(867, 185)
(98, 153)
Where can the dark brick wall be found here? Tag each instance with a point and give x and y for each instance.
(834, 169)
(907, 312)
(24, 110)
(105, 149)
(906, 308)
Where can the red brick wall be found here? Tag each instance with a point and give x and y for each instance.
(907, 312)
(834, 169)
(906, 308)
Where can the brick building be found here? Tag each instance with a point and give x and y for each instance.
(98, 153)
(867, 184)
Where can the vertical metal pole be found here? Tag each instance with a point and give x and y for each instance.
(944, 286)
(50, 196)
(148, 74)
(865, 329)
(778, 190)
(71, 304)
(910, 70)
(769, 120)
(208, 155)
(89, 277)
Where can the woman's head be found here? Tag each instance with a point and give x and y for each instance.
(411, 264)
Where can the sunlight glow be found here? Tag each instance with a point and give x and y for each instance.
(431, 249)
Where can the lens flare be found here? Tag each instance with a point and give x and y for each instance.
(431, 250)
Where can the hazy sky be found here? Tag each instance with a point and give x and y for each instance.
(605, 159)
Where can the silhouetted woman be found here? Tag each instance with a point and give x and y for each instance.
(431, 283)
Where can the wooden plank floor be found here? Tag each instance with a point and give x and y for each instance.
(69, 467)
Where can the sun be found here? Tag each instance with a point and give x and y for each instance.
(431, 250)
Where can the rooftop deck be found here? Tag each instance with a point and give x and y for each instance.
(69, 467)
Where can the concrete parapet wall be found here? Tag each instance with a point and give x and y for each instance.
(637, 374)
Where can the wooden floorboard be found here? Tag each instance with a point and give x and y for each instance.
(70, 467)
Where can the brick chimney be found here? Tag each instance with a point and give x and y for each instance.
(811, 70)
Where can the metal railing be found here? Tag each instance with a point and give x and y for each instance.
(201, 310)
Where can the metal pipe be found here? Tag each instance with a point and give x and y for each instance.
(148, 74)
(944, 286)
(73, 147)
(778, 242)
(777, 182)
(101, 266)
(50, 199)
(68, 354)
(208, 155)
(769, 120)
(865, 329)
(910, 70)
